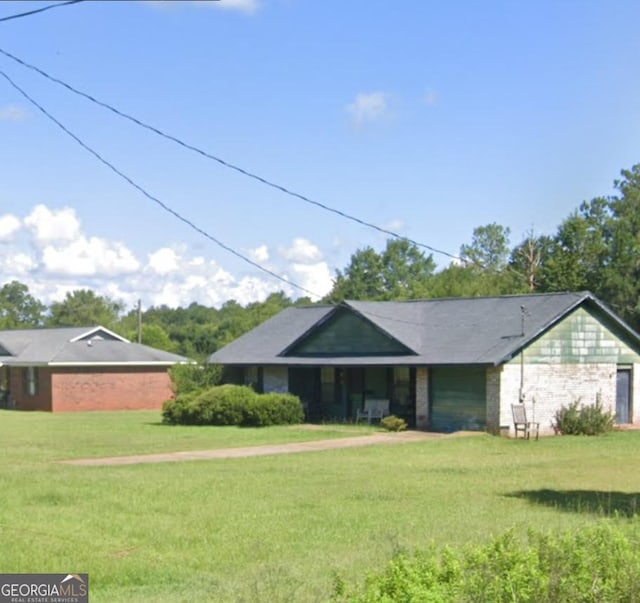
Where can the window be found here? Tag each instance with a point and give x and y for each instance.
(30, 380)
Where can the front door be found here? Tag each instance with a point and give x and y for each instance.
(623, 396)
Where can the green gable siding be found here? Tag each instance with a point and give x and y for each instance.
(347, 334)
(582, 337)
(458, 399)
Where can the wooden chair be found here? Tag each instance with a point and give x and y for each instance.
(521, 424)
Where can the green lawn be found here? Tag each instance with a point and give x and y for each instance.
(277, 528)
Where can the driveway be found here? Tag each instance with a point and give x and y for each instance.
(234, 453)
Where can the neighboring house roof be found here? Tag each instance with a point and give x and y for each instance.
(86, 346)
(454, 331)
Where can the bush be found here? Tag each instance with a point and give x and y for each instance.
(188, 378)
(233, 405)
(594, 563)
(393, 423)
(174, 412)
(218, 405)
(577, 419)
(225, 404)
(274, 409)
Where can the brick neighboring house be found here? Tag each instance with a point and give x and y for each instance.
(446, 364)
(75, 368)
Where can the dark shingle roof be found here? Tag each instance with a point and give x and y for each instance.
(79, 346)
(482, 330)
(271, 337)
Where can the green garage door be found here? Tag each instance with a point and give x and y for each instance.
(458, 399)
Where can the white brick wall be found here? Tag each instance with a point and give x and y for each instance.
(547, 387)
(635, 393)
(422, 397)
(275, 379)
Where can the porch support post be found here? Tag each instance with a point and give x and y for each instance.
(422, 397)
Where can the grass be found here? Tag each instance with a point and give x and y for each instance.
(47, 437)
(278, 528)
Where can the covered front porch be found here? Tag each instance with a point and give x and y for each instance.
(336, 393)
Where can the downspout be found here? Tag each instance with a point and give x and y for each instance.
(521, 392)
(523, 312)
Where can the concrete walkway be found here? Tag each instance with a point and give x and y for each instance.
(269, 449)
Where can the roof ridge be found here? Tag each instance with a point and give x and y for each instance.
(40, 329)
(468, 299)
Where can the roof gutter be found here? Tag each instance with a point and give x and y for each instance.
(133, 363)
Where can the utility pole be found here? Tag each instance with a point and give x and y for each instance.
(139, 321)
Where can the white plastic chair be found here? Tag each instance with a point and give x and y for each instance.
(362, 413)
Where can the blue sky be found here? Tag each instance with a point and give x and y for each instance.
(428, 118)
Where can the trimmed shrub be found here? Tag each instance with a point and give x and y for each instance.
(233, 405)
(225, 404)
(577, 419)
(595, 563)
(273, 409)
(174, 412)
(393, 423)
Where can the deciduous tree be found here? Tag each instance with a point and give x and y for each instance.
(489, 248)
(83, 308)
(18, 308)
(401, 271)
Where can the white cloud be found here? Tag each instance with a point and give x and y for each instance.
(308, 268)
(50, 226)
(249, 7)
(53, 255)
(9, 225)
(259, 254)
(89, 257)
(13, 113)
(368, 107)
(49, 291)
(301, 251)
(394, 225)
(164, 261)
(245, 6)
(16, 264)
(22, 263)
(211, 288)
(253, 288)
(316, 278)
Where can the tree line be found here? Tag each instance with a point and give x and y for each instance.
(596, 248)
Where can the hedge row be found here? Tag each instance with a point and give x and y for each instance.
(233, 405)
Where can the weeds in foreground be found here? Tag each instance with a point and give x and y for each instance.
(596, 564)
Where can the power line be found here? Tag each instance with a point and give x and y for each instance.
(40, 10)
(148, 195)
(207, 155)
(225, 163)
